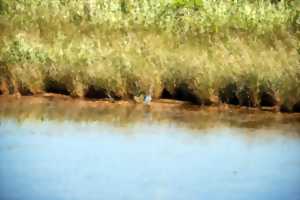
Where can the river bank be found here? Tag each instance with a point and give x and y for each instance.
(164, 101)
(62, 108)
(206, 52)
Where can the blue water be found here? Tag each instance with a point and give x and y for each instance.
(145, 161)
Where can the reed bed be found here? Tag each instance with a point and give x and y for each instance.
(239, 52)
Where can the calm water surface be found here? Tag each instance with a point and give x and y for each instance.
(46, 153)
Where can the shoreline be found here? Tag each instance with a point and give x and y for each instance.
(60, 108)
(210, 53)
(155, 104)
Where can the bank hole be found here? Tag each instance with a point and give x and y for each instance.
(267, 99)
(181, 93)
(296, 107)
(166, 94)
(95, 93)
(228, 94)
(56, 87)
(284, 108)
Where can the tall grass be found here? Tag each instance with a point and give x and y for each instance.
(193, 49)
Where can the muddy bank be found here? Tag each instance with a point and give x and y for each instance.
(123, 113)
(229, 96)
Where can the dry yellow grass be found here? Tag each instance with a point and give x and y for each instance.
(238, 52)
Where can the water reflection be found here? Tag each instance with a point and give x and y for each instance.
(127, 152)
(124, 114)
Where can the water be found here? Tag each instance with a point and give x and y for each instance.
(51, 151)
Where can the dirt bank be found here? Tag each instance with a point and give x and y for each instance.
(156, 104)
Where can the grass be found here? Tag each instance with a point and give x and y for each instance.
(240, 52)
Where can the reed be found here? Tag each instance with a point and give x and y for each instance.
(240, 52)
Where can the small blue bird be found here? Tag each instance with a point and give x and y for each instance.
(147, 99)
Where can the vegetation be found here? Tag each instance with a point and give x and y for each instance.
(243, 52)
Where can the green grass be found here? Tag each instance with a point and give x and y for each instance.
(127, 47)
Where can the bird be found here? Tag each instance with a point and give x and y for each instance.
(110, 98)
(147, 99)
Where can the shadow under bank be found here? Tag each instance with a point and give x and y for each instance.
(230, 95)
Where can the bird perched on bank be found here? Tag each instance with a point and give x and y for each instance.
(110, 98)
(147, 99)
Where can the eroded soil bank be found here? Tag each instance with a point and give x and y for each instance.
(244, 53)
(123, 113)
(228, 99)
